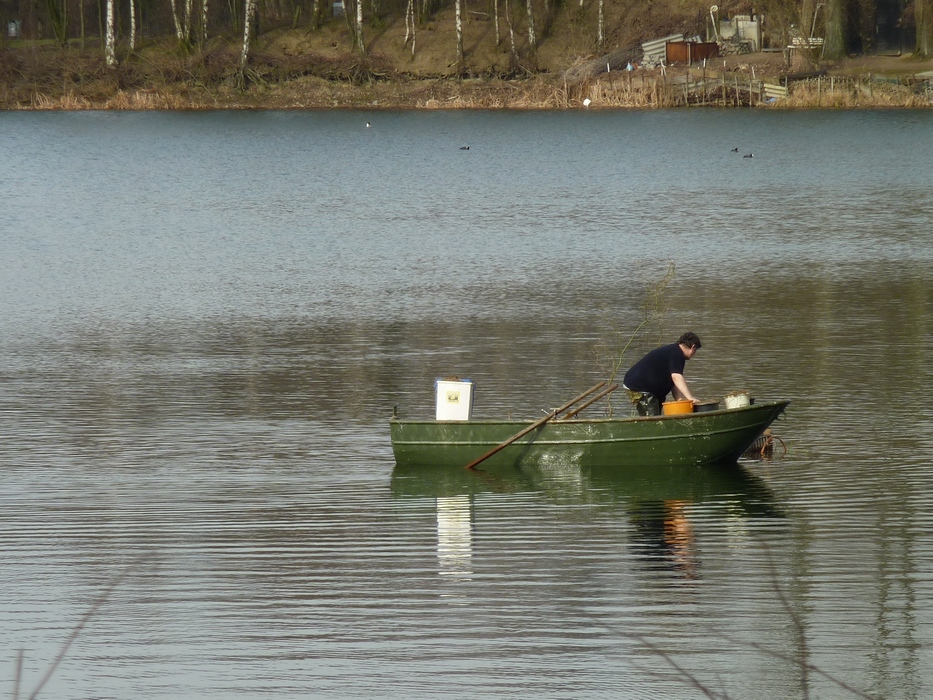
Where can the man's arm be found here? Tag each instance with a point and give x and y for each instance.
(680, 388)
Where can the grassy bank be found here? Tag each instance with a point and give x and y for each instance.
(288, 71)
(646, 91)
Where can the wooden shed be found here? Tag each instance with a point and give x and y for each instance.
(691, 51)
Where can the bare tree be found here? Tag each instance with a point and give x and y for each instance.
(808, 10)
(188, 21)
(508, 19)
(132, 25)
(58, 15)
(923, 15)
(110, 52)
(410, 22)
(248, 15)
(532, 39)
(459, 22)
(835, 43)
(203, 21)
(601, 23)
(180, 30)
(360, 43)
(353, 13)
(182, 17)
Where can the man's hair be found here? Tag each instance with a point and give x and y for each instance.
(690, 340)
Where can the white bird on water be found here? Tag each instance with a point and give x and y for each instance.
(586, 102)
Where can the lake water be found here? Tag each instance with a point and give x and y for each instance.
(206, 320)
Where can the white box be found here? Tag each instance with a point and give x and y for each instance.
(454, 399)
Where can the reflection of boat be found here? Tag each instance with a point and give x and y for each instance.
(455, 535)
(633, 488)
(660, 503)
(708, 437)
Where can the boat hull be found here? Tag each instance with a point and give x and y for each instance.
(711, 437)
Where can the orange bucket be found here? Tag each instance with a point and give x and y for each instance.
(672, 408)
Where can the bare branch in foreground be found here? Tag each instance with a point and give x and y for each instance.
(95, 606)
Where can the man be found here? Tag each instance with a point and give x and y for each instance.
(659, 373)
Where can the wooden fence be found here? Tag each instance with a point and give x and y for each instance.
(696, 88)
(702, 87)
(712, 88)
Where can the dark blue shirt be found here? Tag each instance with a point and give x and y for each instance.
(652, 373)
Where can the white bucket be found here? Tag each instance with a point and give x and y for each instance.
(739, 400)
(454, 399)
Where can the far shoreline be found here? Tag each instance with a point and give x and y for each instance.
(649, 92)
(77, 80)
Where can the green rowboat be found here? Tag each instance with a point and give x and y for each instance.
(709, 437)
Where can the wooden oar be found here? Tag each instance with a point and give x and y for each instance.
(604, 392)
(534, 425)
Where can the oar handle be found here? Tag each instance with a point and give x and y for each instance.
(594, 399)
(534, 425)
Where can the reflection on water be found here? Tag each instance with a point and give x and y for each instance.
(197, 366)
(454, 535)
(735, 488)
(663, 536)
(659, 504)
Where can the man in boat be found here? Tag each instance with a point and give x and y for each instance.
(659, 373)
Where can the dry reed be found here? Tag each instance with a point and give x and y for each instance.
(164, 81)
(839, 92)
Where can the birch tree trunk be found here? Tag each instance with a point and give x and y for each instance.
(495, 14)
(110, 52)
(410, 25)
(132, 25)
(204, 21)
(600, 24)
(177, 20)
(360, 42)
(457, 4)
(508, 20)
(532, 40)
(188, 20)
(247, 30)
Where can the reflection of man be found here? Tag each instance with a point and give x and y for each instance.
(659, 373)
(665, 536)
(678, 535)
